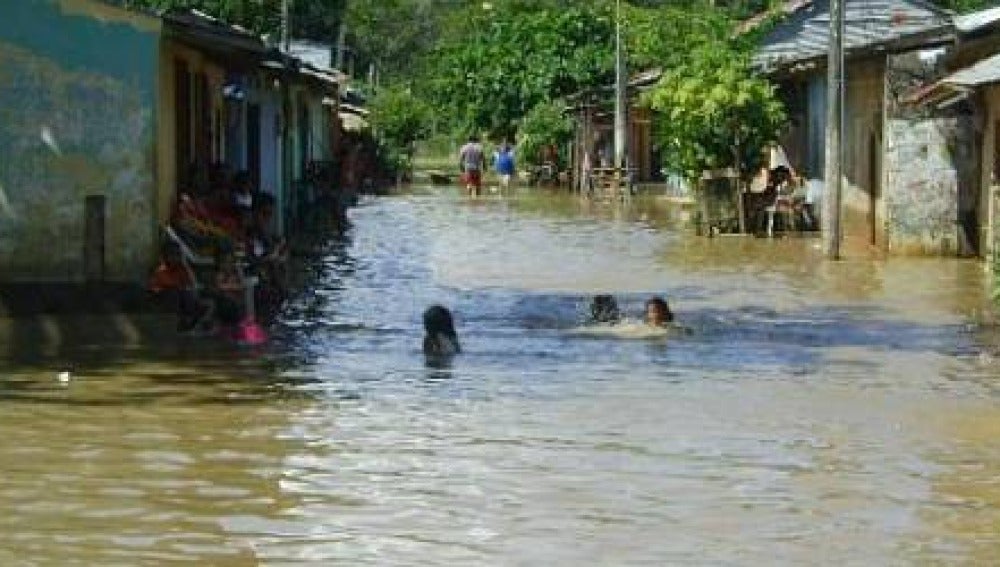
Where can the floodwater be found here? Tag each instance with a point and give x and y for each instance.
(817, 413)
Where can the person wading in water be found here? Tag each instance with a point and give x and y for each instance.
(472, 161)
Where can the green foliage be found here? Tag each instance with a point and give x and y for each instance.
(395, 34)
(317, 19)
(713, 112)
(314, 19)
(508, 59)
(965, 6)
(262, 16)
(544, 124)
(662, 38)
(400, 118)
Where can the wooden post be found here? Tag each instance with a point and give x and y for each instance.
(741, 208)
(286, 31)
(93, 238)
(341, 43)
(834, 133)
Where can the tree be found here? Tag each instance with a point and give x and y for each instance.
(965, 6)
(515, 55)
(400, 118)
(395, 34)
(312, 19)
(544, 124)
(713, 111)
(261, 16)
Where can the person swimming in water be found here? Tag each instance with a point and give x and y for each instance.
(440, 340)
(604, 309)
(658, 312)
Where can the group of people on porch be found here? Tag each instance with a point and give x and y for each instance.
(221, 259)
(782, 198)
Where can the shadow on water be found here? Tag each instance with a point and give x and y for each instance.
(104, 335)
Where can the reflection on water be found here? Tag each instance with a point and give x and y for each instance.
(816, 413)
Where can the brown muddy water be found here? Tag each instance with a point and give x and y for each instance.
(818, 413)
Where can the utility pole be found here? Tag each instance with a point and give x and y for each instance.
(832, 206)
(621, 102)
(286, 24)
(341, 43)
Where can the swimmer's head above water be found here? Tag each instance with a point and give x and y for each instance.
(604, 309)
(658, 312)
(440, 338)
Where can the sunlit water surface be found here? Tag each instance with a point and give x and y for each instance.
(817, 413)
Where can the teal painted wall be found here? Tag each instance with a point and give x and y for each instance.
(78, 83)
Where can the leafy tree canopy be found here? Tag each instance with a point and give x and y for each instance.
(514, 55)
(396, 34)
(713, 112)
(544, 124)
(313, 19)
(400, 117)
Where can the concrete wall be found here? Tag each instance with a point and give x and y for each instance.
(922, 205)
(931, 167)
(77, 114)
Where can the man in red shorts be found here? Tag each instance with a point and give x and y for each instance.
(472, 161)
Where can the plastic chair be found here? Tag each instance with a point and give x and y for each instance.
(782, 205)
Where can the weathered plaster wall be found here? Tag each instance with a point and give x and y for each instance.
(931, 165)
(922, 204)
(77, 100)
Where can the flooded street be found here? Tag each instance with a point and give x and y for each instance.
(818, 413)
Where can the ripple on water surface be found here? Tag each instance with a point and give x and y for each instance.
(815, 413)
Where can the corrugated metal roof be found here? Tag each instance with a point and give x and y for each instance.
(210, 32)
(983, 72)
(969, 23)
(804, 35)
(312, 52)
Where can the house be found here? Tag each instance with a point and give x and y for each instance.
(593, 134)
(974, 81)
(107, 113)
(79, 86)
(910, 181)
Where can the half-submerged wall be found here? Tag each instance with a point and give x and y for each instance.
(77, 116)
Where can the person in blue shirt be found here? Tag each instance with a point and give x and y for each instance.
(503, 160)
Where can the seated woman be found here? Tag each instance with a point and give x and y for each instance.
(194, 223)
(172, 282)
(440, 340)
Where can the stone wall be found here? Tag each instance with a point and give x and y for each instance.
(923, 161)
(77, 119)
(931, 165)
